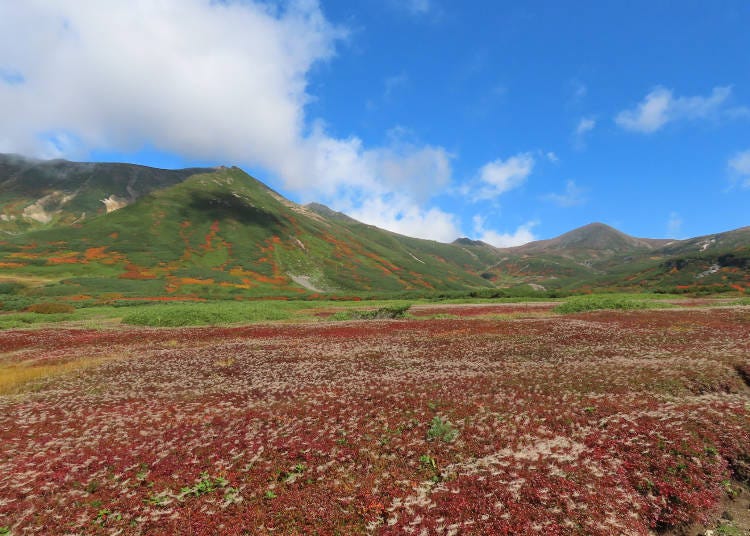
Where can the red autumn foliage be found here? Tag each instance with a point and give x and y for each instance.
(596, 424)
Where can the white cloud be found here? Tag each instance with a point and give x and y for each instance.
(416, 7)
(578, 89)
(392, 83)
(572, 196)
(350, 170)
(552, 157)
(191, 76)
(500, 176)
(660, 107)
(522, 235)
(205, 79)
(585, 125)
(400, 215)
(674, 224)
(739, 166)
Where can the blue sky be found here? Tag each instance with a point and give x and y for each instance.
(496, 120)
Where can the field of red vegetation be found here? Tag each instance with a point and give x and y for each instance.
(593, 424)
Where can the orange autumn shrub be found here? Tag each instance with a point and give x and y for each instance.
(50, 308)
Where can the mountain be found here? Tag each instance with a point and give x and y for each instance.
(595, 240)
(43, 193)
(121, 231)
(597, 256)
(221, 233)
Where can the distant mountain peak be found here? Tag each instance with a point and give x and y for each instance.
(464, 241)
(596, 239)
(327, 212)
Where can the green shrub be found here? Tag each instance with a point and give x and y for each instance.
(579, 304)
(395, 311)
(207, 314)
(23, 320)
(10, 287)
(440, 429)
(14, 302)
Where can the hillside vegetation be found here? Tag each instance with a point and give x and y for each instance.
(105, 232)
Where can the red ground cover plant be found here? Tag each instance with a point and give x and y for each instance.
(596, 424)
(474, 310)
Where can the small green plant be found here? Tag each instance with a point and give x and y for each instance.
(4, 531)
(231, 495)
(157, 499)
(443, 430)
(729, 489)
(727, 529)
(105, 515)
(92, 486)
(142, 473)
(428, 461)
(292, 475)
(206, 484)
(269, 495)
(342, 440)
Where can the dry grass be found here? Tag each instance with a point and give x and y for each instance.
(17, 377)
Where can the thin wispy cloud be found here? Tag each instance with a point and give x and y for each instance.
(576, 91)
(572, 196)
(660, 107)
(584, 126)
(415, 8)
(394, 83)
(674, 225)
(739, 168)
(418, 7)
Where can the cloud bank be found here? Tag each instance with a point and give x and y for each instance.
(211, 80)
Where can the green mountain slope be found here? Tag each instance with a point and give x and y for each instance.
(81, 230)
(224, 234)
(38, 194)
(711, 263)
(598, 257)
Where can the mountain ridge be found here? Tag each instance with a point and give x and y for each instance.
(219, 232)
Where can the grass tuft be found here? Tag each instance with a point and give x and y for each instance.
(580, 304)
(208, 314)
(395, 311)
